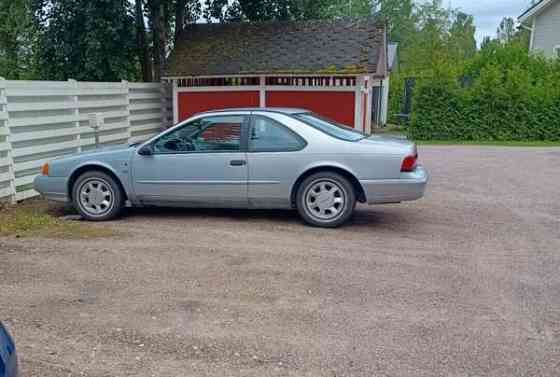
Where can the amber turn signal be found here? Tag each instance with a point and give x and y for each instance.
(45, 169)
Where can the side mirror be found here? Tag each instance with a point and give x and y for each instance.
(146, 150)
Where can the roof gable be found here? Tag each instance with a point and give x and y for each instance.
(535, 9)
(295, 47)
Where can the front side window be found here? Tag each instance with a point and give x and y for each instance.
(330, 127)
(267, 135)
(211, 134)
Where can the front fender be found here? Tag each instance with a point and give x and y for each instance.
(119, 169)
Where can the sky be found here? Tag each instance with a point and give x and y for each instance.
(488, 13)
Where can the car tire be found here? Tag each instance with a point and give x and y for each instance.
(325, 199)
(97, 196)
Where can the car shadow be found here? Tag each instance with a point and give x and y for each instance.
(286, 216)
(382, 217)
(364, 217)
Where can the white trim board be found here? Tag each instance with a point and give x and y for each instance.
(535, 10)
(247, 88)
(341, 75)
(271, 88)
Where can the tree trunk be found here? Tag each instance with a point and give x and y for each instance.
(180, 6)
(158, 34)
(142, 43)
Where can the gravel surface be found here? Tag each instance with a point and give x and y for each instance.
(465, 282)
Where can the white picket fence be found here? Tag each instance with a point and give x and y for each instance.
(41, 120)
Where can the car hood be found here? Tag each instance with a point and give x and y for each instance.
(100, 151)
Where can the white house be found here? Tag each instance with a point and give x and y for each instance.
(543, 19)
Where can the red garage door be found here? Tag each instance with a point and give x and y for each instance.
(338, 106)
(191, 103)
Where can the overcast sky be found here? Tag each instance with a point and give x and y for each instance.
(488, 13)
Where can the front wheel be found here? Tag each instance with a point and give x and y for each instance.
(97, 196)
(325, 199)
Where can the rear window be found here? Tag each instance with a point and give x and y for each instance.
(330, 127)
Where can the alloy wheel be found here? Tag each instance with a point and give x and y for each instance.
(96, 197)
(325, 200)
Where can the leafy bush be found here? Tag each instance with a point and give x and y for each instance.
(511, 96)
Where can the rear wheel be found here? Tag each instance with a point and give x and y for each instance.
(325, 199)
(97, 196)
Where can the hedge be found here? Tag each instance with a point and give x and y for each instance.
(511, 96)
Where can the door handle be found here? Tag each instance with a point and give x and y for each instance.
(237, 162)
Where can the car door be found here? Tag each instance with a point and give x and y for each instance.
(200, 163)
(275, 155)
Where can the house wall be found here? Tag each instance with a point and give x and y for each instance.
(42, 120)
(546, 33)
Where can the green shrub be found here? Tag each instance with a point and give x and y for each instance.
(511, 96)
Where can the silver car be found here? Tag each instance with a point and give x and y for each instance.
(242, 158)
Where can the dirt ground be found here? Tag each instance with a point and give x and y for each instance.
(465, 282)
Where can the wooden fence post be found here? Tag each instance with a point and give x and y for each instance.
(164, 88)
(76, 111)
(174, 101)
(126, 90)
(9, 192)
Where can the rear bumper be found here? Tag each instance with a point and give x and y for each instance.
(52, 188)
(410, 186)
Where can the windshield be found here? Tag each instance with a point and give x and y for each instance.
(330, 127)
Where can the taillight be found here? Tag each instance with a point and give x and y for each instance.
(409, 163)
(45, 169)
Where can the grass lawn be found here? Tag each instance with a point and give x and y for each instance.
(492, 143)
(398, 131)
(36, 218)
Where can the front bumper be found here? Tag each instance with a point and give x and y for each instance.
(410, 186)
(52, 188)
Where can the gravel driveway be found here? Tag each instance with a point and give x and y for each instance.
(465, 282)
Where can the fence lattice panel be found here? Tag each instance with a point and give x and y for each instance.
(42, 120)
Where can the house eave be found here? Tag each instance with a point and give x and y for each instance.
(534, 11)
(323, 74)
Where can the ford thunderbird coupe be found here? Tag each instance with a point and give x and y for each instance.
(269, 158)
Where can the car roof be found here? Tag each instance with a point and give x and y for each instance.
(281, 110)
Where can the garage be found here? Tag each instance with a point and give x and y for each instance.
(331, 67)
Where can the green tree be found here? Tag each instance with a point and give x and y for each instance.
(268, 10)
(429, 34)
(429, 47)
(400, 18)
(86, 40)
(16, 40)
(462, 42)
(348, 8)
(142, 44)
(486, 43)
(506, 30)
(167, 20)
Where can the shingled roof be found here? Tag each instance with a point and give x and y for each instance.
(294, 47)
